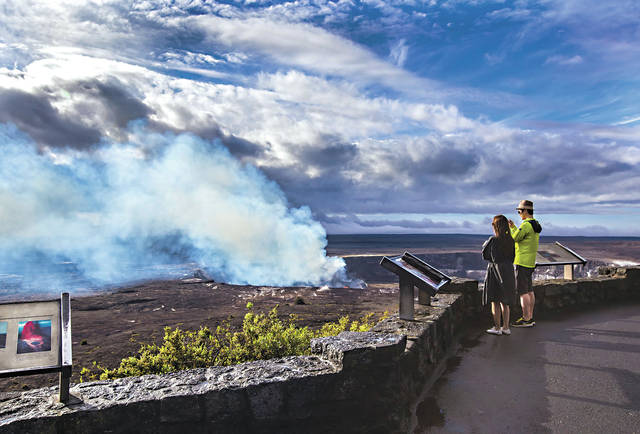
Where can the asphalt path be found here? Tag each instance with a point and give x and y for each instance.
(572, 373)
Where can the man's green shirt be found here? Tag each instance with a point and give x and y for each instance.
(526, 240)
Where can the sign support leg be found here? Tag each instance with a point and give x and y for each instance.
(65, 346)
(568, 272)
(406, 299)
(64, 377)
(424, 298)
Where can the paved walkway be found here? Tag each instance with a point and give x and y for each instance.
(571, 373)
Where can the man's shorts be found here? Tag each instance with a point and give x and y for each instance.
(524, 279)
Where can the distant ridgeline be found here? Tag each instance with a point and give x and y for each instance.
(458, 264)
(458, 254)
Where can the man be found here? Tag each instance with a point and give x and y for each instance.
(526, 238)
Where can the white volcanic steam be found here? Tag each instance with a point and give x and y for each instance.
(159, 199)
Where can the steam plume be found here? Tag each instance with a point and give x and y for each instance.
(119, 213)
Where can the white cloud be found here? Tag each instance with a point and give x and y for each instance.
(564, 60)
(304, 46)
(629, 120)
(509, 13)
(493, 59)
(399, 52)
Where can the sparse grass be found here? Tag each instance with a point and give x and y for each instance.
(263, 336)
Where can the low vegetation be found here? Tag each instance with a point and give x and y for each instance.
(263, 336)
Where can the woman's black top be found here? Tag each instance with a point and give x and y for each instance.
(500, 281)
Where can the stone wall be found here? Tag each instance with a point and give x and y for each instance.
(354, 382)
(613, 284)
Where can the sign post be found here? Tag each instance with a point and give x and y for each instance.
(413, 272)
(556, 254)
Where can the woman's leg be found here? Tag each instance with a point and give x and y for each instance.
(495, 311)
(505, 315)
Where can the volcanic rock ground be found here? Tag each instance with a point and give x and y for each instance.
(109, 326)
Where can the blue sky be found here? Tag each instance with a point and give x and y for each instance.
(396, 116)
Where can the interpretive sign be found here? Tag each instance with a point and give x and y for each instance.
(550, 254)
(412, 271)
(35, 338)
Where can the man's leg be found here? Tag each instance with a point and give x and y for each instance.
(525, 305)
(526, 301)
(524, 285)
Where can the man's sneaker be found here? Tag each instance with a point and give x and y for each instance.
(519, 323)
(494, 331)
(524, 323)
(506, 331)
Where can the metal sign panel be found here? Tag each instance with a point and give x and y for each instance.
(414, 272)
(419, 272)
(29, 335)
(556, 254)
(35, 338)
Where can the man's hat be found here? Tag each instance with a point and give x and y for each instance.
(525, 204)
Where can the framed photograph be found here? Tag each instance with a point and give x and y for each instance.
(3, 334)
(30, 335)
(34, 336)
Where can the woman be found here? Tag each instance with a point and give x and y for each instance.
(500, 282)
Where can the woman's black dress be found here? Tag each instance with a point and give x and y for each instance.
(500, 281)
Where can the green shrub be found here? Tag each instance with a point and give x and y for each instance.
(263, 336)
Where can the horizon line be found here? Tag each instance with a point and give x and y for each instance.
(474, 234)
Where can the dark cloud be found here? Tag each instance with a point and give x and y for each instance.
(468, 177)
(34, 114)
(330, 159)
(424, 223)
(431, 181)
(341, 194)
(237, 146)
(330, 154)
(120, 106)
(451, 163)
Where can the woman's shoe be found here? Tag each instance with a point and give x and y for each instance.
(494, 331)
(506, 331)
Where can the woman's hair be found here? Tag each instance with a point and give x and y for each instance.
(501, 229)
(501, 226)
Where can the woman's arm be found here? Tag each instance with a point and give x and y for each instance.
(487, 250)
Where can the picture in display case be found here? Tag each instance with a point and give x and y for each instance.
(3, 334)
(34, 336)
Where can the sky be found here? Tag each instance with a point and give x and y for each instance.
(398, 116)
